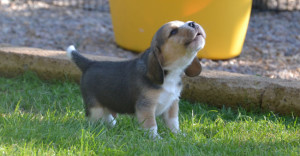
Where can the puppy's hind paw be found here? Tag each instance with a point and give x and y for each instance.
(110, 120)
(112, 123)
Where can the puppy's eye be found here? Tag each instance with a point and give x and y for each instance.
(173, 32)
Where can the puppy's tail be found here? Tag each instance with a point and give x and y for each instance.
(82, 62)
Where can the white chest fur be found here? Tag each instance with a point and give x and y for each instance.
(172, 83)
(171, 91)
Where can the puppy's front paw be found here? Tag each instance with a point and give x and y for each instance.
(175, 131)
(154, 136)
(181, 133)
(152, 132)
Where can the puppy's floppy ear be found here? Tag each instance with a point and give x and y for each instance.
(194, 69)
(154, 69)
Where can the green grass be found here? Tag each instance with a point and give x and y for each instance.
(47, 118)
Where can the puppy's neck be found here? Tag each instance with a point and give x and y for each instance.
(180, 65)
(173, 73)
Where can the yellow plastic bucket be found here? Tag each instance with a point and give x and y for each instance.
(224, 21)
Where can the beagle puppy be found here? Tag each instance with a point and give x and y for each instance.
(147, 86)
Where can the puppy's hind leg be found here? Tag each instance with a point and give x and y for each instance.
(95, 112)
(100, 113)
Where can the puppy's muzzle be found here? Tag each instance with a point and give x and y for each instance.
(198, 28)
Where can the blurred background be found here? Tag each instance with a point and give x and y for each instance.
(271, 48)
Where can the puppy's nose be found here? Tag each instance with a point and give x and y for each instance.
(192, 24)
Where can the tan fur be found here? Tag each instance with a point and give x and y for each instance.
(173, 111)
(97, 112)
(146, 117)
(171, 52)
(146, 111)
(171, 117)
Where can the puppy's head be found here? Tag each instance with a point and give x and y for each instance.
(177, 39)
(175, 46)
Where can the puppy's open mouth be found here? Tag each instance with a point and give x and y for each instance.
(199, 34)
(196, 38)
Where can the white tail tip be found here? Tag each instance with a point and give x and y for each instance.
(69, 51)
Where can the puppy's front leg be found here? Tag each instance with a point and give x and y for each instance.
(146, 116)
(171, 117)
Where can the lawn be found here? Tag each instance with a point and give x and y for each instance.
(47, 118)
